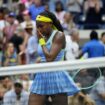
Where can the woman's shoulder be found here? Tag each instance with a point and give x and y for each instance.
(59, 37)
(59, 34)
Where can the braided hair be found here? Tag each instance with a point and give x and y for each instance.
(56, 22)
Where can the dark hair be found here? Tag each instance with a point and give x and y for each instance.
(18, 85)
(103, 34)
(59, 3)
(94, 35)
(56, 22)
(21, 7)
(4, 77)
(30, 14)
(1, 10)
(2, 13)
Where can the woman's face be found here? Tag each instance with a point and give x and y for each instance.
(10, 48)
(26, 17)
(10, 20)
(59, 7)
(44, 27)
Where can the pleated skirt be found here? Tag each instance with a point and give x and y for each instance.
(49, 83)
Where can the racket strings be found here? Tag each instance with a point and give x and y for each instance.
(88, 78)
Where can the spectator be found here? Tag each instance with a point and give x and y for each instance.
(16, 96)
(21, 8)
(36, 6)
(17, 38)
(31, 44)
(27, 3)
(103, 38)
(47, 7)
(93, 10)
(98, 92)
(9, 30)
(92, 47)
(6, 83)
(72, 47)
(75, 6)
(1, 46)
(80, 99)
(96, 4)
(27, 18)
(3, 24)
(68, 23)
(59, 11)
(10, 56)
(22, 58)
(52, 4)
(14, 6)
(25, 80)
(25, 36)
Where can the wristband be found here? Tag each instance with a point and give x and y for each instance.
(42, 41)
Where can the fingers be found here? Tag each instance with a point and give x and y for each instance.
(40, 35)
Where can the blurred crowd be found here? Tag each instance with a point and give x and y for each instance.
(18, 43)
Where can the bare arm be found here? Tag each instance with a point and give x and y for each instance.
(19, 58)
(86, 6)
(26, 37)
(97, 6)
(57, 45)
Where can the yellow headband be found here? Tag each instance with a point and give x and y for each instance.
(45, 19)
